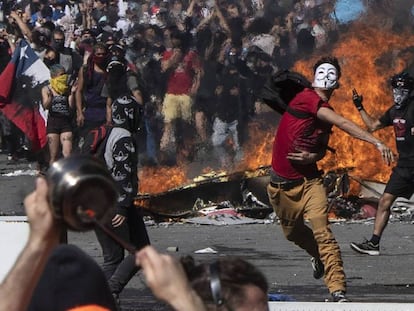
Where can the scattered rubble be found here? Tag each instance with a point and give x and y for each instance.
(240, 198)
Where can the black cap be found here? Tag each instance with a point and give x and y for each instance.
(117, 49)
(402, 80)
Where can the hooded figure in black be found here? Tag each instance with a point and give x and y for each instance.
(120, 155)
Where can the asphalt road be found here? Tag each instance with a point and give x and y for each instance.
(385, 278)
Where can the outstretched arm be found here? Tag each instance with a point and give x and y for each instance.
(330, 116)
(372, 124)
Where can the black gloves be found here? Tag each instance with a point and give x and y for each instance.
(357, 99)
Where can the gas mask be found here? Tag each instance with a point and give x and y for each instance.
(402, 85)
(400, 96)
(326, 77)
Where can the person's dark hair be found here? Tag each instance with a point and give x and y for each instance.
(259, 26)
(49, 25)
(183, 37)
(88, 31)
(234, 275)
(50, 49)
(329, 60)
(40, 38)
(58, 31)
(46, 12)
(100, 46)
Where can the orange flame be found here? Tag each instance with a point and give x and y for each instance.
(258, 149)
(160, 179)
(368, 57)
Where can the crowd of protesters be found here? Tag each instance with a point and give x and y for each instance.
(196, 66)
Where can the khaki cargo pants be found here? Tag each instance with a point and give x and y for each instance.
(309, 200)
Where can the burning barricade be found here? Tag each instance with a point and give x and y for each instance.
(212, 191)
(243, 194)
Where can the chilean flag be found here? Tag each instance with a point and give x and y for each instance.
(21, 84)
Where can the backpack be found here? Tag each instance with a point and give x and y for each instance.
(281, 88)
(95, 142)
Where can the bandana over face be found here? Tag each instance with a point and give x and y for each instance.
(60, 84)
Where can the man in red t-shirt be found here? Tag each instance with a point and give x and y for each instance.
(296, 188)
(183, 69)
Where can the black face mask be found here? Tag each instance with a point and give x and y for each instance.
(117, 85)
(49, 62)
(58, 45)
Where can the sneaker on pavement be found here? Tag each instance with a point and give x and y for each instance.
(318, 268)
(339, 296)
(366, 247)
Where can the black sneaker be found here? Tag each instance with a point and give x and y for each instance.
(339, 296)
(366, 247)
(318, 268)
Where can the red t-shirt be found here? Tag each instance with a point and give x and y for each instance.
(294, 134)
(181, 79)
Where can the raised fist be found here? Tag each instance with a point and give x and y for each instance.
(357, 99)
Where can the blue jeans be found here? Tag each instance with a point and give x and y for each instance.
(117, 268)
(222, 131)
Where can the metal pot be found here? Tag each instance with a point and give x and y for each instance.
(81, 191)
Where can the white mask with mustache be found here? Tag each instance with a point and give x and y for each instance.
(326, 77)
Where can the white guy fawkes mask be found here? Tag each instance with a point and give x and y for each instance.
(326, 77)
(400, 96)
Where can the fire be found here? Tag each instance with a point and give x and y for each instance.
(160, 179)
(369, 56)
(258, 149)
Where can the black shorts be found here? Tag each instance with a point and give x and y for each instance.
(401, 182)
(204, 104)
(58, 125)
